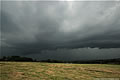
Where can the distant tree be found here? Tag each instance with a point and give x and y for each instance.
(16, 58)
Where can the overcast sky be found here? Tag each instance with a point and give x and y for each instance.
(65, 30)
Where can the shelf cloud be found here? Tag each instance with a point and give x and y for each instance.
(30, 27)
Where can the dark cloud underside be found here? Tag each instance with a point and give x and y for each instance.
(30, 27)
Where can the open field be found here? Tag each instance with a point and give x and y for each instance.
(56, 71)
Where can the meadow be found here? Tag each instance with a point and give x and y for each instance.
(56, 71)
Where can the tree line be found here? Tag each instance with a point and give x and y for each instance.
(26, 59)
(16, 58)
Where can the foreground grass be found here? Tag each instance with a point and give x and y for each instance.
(56, 71)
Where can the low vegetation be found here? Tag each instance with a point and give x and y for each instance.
(56, 71)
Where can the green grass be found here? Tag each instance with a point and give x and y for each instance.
(56, 71)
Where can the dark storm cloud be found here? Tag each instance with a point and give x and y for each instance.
(78, 54)
(33, 26)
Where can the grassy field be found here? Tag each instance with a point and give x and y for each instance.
(56, 71)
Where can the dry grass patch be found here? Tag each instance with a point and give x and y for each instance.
(56, 71)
